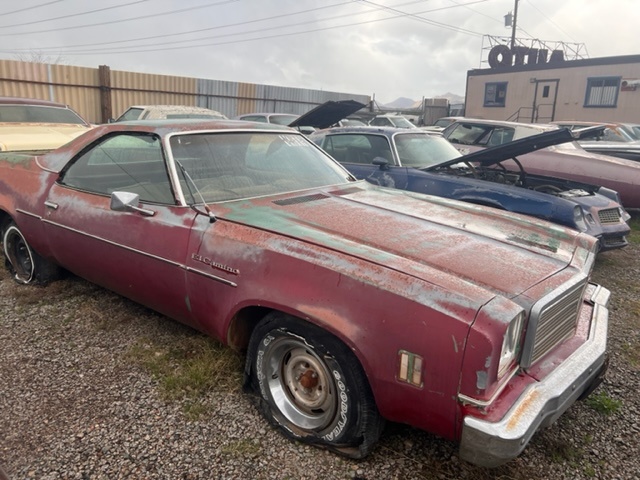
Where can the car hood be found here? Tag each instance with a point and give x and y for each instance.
(493, 155)
(448, 243)
(34, 137)
(327, 114)
(604, 145)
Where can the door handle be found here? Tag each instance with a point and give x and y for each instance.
(51, 205)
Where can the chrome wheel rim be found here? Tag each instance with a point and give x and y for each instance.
(300, 384)
(19, 255)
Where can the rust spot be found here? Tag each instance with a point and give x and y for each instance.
(515, 418)
(309, 379)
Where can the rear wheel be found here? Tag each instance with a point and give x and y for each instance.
(25, 265)
(312, 386)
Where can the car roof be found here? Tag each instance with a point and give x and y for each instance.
(501, 123)
(30, 101)
(267, 114)
(382, 130)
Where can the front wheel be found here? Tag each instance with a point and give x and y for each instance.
(312, 386)
(25, 265)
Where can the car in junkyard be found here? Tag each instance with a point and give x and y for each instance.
(618, 140)
(34, 125)
(389, 120)
(427, 163)
(354, 303)
(158, 112)
(568, 160)
(321, 116)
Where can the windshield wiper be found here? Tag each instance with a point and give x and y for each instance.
(190, 182)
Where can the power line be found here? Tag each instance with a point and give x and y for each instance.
(430, 22)
(122, 20)
(127, 49)
(153, 37)
(30, 8)
(113, 7)
(552, 22)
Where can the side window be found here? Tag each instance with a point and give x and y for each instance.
(350, 148)
(602, 92)
(495, 94)
(500, 135)
(381, 122)
(125, 162)
(131, 114)
(466, 134)
(255, 118)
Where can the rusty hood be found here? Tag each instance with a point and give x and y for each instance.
(437, 240)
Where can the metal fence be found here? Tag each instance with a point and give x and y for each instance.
(99, 94)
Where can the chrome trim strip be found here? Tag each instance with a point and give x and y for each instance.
(213, 277)
(145, 254)
(485, 403)
(29, 214)
(43, 167)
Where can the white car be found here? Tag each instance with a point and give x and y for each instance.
(397, 121)
(158, 112)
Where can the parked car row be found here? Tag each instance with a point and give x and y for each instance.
(568, 160)
(418, 161)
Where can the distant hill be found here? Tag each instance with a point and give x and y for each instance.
(452, 97)
(400, 103)
(404, 102)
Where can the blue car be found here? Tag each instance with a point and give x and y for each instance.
(424, 162)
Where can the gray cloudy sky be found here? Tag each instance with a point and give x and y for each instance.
(386, 48)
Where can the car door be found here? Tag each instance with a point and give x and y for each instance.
(140, 255)
(357, 152)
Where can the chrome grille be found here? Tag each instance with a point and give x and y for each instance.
(613, 241)
(610, 215)
(552, 320)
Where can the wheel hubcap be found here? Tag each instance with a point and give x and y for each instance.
(19, 255)
(300, 384)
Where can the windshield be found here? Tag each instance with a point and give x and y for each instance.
(38, 114)
(229, 166)
(423, 150)
(282, 119)
(402, 122)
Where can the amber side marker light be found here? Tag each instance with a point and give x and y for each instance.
(410, 368)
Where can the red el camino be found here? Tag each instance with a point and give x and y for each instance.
(354, 303)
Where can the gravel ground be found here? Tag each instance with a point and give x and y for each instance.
(74, 405)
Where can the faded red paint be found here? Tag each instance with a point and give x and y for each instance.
(382, 270)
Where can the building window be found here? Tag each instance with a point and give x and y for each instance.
(495, 94)
(602, 92)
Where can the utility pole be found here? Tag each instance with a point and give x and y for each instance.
(513, 26)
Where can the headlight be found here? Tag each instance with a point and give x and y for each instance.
(578, 219)
(510, 344)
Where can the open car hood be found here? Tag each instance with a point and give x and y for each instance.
(522, 146)
(325, 115)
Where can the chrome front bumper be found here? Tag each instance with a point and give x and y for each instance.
(491, 444)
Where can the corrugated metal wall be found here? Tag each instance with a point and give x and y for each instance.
(75, 86)
(79, 87)
(129, 88)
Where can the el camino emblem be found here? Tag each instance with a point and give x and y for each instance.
(212, 264)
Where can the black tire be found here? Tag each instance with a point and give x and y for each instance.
(312, 386)
(26, 266)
